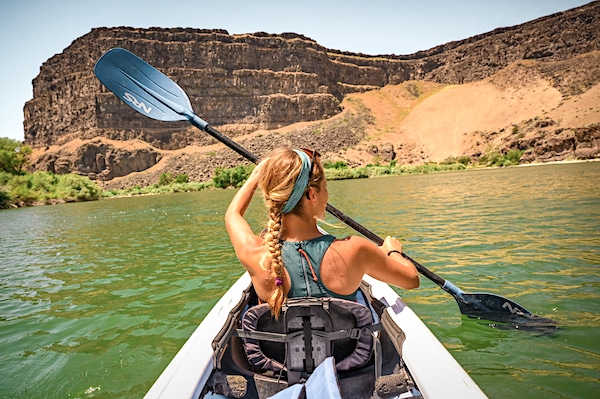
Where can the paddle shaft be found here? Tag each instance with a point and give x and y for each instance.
(226, 140)
(378, 240)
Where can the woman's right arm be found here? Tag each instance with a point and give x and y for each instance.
(386, 263)
(243, 239)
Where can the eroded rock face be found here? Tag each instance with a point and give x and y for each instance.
(560, 144)
(542, 141)
(98, 161)
(241, 83)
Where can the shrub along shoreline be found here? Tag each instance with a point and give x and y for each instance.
(235, 177)
(46, 188)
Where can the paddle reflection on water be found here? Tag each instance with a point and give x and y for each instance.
(529, 323)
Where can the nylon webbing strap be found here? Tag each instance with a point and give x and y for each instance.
(353, 333)
(267, 336)
(309, 362)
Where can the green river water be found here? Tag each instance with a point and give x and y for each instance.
(96, 298)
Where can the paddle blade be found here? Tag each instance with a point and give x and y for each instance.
(484, 303)
(509, 314)
(143, 87)
(496, 308)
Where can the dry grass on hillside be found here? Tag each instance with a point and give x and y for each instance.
(443, 121)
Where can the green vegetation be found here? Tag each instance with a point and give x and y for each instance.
(13, 156)
(338, 170)
(495, 158)
(4, 199)
(167, 179)
(464, 160)
(167, 184)
(23, 189)
(45, 187)
(156, 189)
(335, 165)
(233, 177)
(389, 170)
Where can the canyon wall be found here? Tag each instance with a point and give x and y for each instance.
(249, 82)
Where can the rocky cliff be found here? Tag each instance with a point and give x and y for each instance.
(262, 82)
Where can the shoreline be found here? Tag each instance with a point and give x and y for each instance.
(20, 204)
(559, 162)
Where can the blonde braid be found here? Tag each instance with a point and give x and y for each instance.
(277, 183)
(278, 297)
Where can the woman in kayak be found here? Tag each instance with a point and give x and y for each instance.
(292, 257)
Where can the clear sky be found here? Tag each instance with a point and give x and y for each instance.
(32, 31)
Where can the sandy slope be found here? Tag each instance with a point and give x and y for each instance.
(444, 121)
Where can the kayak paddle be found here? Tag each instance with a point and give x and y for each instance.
(152, 93)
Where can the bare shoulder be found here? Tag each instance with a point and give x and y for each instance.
(355, 248)
(354, 243)
(343, 269)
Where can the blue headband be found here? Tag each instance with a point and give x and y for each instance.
(300, 185)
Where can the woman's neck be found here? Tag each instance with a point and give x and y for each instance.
(299, 228)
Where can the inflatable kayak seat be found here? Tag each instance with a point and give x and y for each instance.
(308, 331)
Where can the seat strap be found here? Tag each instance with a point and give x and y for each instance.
(309, 362)
(267, 336)
(378, 356)
(353, 333)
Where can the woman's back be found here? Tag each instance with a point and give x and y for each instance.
(303, 262)
(295, 193)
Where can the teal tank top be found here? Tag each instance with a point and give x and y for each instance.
(302, 261)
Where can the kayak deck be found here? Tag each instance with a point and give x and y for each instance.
(413, 363)
(233, 371)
